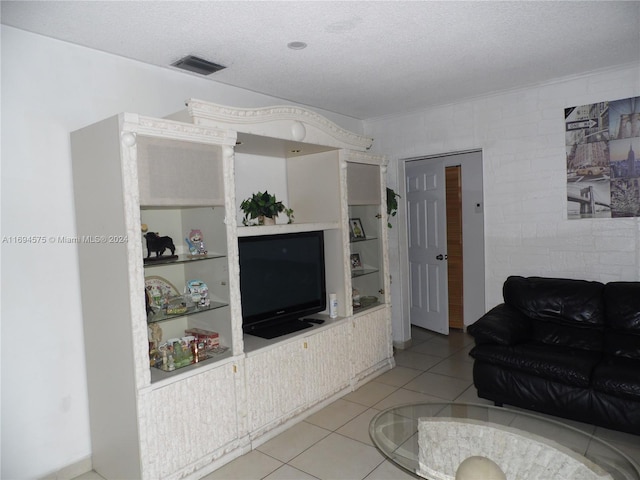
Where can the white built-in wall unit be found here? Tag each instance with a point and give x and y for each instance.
(150, 419)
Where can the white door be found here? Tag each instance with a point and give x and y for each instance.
(427, 238)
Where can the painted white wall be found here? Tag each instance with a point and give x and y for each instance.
(50, 88)
(521, 135)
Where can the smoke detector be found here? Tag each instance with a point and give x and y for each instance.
(198, 65)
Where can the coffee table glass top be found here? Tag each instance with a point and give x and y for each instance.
(395, 433)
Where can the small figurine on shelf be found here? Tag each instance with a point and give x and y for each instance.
(199, 293)
(155, 335)
(355, 298)
(155, 297)
(158, 244)
(147, 303)
(171, 366)
(195, 242)
(176, 305)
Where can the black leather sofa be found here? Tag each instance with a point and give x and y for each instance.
(569, 348)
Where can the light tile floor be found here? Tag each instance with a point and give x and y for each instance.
(334, 443)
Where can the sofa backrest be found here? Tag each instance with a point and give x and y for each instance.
(563, 312)
(622, 304)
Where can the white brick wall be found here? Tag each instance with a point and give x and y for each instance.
(521, 134)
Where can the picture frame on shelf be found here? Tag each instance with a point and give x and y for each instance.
(356, 230)
(356, 262)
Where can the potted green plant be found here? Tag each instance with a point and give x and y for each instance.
(264, 208)
(392, 204)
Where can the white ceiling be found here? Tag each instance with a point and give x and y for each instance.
(364, 58)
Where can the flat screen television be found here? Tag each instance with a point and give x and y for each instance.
(282, 280)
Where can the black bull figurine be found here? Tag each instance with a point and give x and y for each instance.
(158, 244)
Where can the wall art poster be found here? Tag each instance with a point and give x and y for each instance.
(603, 169)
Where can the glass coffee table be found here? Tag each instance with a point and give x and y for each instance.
(410, 436)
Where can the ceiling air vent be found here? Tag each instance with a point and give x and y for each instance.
(197, 65)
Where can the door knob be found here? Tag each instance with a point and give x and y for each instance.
(440, 257)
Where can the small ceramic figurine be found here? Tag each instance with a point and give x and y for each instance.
(199, 293)
(355, 297)
(155, 296)
(155, 334)
(195, 241)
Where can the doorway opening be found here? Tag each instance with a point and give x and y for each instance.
(455, 243)
(444, 248)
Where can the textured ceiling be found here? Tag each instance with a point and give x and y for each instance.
(364, 59)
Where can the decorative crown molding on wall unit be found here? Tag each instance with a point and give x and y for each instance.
(285, 122)
(359, 157)
(173, 130)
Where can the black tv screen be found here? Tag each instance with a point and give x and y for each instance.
(282, 279)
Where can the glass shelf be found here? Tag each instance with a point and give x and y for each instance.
(162, 315)
(175, 259)
(358, 240)
(365, 307)
(360, 272)
(190, 360)
(158, 374)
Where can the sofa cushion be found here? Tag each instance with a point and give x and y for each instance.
(563, 311)
(572, 302)
(552, 333)
(622, 344)
(622, 304)
(618, 376)
(570, 366)
(502, 324)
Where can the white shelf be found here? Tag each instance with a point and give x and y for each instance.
(257, 230)
(164, 377)
(253, 344)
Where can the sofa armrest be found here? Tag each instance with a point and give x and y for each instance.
(503, 325)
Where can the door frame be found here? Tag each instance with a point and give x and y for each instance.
(473, 236)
